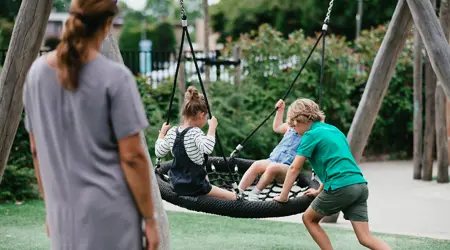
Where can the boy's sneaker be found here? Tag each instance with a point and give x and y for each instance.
(253, 197)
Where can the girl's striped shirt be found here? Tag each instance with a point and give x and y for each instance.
(196, 144)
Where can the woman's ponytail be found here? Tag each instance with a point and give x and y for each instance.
(87, 18)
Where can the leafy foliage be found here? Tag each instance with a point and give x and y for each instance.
(19, 180)
(18, 184)
(234, 17)
(9, 9)
(8, 12)
(159, 8)
(6, 29)
(156, 103)
(61, 5)
(20, 154)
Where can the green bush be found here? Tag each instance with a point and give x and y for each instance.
(20, 154)
(232, 18)
(156, 102)
(18, 184)
(19, 180)
(6, 29)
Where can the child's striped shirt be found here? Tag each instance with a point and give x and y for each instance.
(195, 142)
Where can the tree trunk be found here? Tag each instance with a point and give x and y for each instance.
(441, 136)
(429, 135)
(380, 76)
(24, 47)
(206, 42)
(418, 106)
(434, 40)
(111, 50)
(441, 103)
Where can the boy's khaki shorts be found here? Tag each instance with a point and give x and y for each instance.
(351, 200)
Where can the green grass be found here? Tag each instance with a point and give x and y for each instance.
(22, 227)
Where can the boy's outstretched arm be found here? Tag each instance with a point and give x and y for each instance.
(291, 175)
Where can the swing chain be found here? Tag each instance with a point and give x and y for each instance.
(183, 12)
(330, 7)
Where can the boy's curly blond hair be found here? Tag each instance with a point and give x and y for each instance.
(304, 110)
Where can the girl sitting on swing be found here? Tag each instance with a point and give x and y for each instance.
(190, 149)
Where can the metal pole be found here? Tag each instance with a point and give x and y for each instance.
(359, 18)
(143, 28)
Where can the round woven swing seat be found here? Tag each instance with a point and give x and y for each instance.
(219, 176)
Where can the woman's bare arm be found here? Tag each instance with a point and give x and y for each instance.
(136, 168)
(36, 165)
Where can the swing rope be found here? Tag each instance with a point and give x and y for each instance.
(322, 68)
(322, 36)
(324, 32)
(180, 53)
(186, 34)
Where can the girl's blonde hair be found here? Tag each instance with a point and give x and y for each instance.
(304, 111)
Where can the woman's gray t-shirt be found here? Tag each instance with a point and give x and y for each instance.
(88, 202)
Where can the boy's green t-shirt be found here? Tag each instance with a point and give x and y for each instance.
(327, 149)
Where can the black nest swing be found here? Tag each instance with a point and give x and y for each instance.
(242, 208)
(218, 166)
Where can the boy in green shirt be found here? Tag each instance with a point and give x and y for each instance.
(343, 186)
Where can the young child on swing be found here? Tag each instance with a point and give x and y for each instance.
(190, 149)
(276, 166)
(343, 186)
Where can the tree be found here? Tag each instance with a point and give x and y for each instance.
(6, 28)
(9, 9)
(434, 40)
(111, 50)
(234, 17)
(380, 76)
(24, 47)
(61, 5)
(170, 9)
(159, 8)
(8, 13)
(441, 101)
(418, 106)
